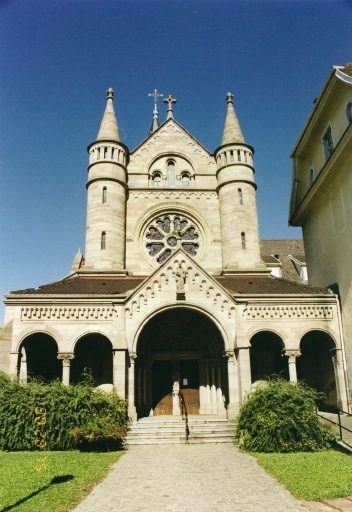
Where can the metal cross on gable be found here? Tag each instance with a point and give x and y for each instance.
(169, 100)
(156, 95)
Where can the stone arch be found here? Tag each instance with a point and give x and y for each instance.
(38, 357)
(225, 332)
(315, 366)
(53, 333)
(266, 355)
(93, 351)
(180, 350)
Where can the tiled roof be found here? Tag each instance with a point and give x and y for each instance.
(266, 285)
(83, 285)
(281, 248)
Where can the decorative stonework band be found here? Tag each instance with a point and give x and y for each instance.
(260, 312)
(42, 313)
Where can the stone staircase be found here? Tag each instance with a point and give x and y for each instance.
(172, 430)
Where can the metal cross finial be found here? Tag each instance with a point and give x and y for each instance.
(156, 95)
(229, 97)
(169, 100)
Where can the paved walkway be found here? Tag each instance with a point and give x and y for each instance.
(188, 478)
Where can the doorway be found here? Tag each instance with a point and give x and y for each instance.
(189, 384)
(162, 387)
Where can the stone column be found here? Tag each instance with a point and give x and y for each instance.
(176, 410)
(132, 413)
(340, 380)
(23, 365)
(292, 369)
(66, 363)
(232, 372)
(119, 372)
(245, 377)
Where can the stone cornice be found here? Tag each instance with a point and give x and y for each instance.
(67, 313)
(289, 312)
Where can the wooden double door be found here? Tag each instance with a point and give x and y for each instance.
(169, 375)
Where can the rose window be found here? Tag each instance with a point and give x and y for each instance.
(167, 233)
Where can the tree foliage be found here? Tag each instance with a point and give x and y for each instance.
(279, 416)
(67, 408)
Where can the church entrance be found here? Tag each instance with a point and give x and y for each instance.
(180, 366)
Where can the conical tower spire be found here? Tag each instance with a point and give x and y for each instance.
(108, 128)
(232, 129)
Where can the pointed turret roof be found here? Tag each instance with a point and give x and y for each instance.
(108, 128)
(232, 129)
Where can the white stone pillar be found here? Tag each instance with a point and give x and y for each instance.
(23, 365)
(340, 380)
(66, 363)
(244, 370)
(119, 373)
(292, 369)
(132, 413)
(232, 371)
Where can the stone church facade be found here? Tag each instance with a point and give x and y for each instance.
(171, 300)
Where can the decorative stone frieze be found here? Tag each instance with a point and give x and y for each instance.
(311, 312)
(61, 313)
(181, 194)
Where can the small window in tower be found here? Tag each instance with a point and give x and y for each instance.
(328, 143)
(105, 151)
(103, 240)
(311, 176)
(239, 155)
(185, 180)
(157, 180)
(171, 174)
(231, 156)
(243, 240)
(105, 195)
(240, 196)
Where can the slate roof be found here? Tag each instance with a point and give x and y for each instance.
(120, 285)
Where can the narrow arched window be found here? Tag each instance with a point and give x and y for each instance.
(243, 240)
(185, 180)
(171, 174)
(311, 176)
(240, 196)
(105, 195)
(157, 180)
(231, 156)
(103, 241)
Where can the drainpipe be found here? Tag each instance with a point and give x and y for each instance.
(343, 354)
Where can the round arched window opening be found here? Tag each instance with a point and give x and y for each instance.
(169, 232)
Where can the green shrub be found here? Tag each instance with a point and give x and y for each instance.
(279, 416)
(67, 408)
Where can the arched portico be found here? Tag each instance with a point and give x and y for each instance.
(93, 351)
(180, 350)
(38, 357)
(317, 364)
(266, 356)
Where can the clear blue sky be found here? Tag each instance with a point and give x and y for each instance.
(58, 58)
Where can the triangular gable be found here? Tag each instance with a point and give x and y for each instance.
(181, 138)
(163, 288)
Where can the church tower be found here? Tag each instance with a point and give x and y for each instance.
(107, 195)
(236, 189)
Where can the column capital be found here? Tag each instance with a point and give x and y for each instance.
(133, 357)
(65, 357)
(291, 353)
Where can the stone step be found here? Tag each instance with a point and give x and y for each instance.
(172, 430)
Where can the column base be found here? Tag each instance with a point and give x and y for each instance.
(232, 411)
(132, 413)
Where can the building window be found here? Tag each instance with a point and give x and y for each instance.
(104, 197)
(349, 111)
(311, 176)
(328, 143)
(103, 241)
(171, 174)
(240, 196)
(185, 180)
(157, 180)
(243, 240)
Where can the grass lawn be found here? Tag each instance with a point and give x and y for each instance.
(67, 478)
(310, 476)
